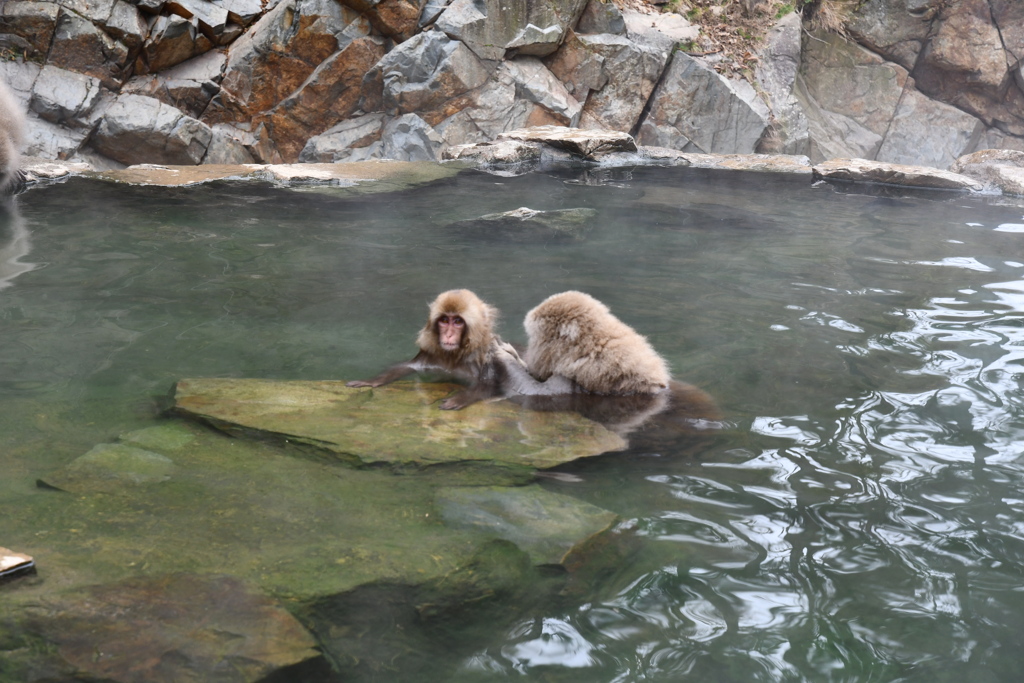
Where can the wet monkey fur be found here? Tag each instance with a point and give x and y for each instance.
(575, 336)
(12, 141)
(459, 339)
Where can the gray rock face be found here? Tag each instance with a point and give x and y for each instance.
(895, 29)
(272, 80)
(849, 96)
(342, 141)
(776, 72)
(697, 110)
(495, 29)
(612, 74)
(65, 97)
(426, 71)
(135, 125)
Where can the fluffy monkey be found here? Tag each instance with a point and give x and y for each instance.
(574, 336)
(459, 339)
(12, 141)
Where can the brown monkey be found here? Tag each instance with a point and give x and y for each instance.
(574, 336)
(459, 339)
(12, 140)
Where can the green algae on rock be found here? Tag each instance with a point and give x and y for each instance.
(165, 628)
(399, 425)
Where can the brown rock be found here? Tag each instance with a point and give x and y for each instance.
(78, 45)
(331, 94)
(33, 22)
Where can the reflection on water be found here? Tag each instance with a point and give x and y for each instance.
(860, 519)
(14, 242)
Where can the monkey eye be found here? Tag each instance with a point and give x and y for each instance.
(451, 320)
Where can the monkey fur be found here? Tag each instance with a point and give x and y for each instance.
(492, 367)
(574, 336)
(12, 141)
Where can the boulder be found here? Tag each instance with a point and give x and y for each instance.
(79, 45)
(776, 70)
(142, 129)
(695, 109)
(229, 145)
(173, 39)
(496, 29)
(29, 26)
(344, 141)
(863, 170)
(398, 19)
(895, 29)
(849, 96)
(1000, 169)
(613, 75)
(189, 86)
(600, 17)
(497, 154)
(423, 74)
(65, 97)
(275, 57)
(926, 132)
(398, 425)
(965, 63)
(330, 94)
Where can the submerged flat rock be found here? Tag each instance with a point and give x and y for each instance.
(164, 629)
(546, 525)
(400, 424)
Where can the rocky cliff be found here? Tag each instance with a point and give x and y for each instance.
(114, 82)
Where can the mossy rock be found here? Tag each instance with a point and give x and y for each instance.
(399, 425)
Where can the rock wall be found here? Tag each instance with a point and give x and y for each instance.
(117, 82)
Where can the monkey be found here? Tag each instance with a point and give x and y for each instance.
(574, 336)
(12, 141)
(459, 339)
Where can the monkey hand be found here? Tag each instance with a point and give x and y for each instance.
(361, 383)
(453, 403)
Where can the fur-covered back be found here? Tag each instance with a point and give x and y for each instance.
(574, 335)
(480, 319)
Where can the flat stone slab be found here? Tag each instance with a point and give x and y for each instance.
(398, 425)
(370, 176)
(862, 170)
(586, 143)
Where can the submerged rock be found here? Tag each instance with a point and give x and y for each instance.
(399, 425)
(111, 466)
(164, 629)
(546, 525)
(528, 225)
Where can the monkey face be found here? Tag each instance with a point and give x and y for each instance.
(450, 329)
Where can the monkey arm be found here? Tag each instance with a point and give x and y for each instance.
(421, 362)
